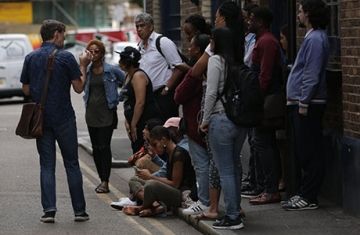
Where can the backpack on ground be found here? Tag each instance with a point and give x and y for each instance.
(242, 97)
(157, 43)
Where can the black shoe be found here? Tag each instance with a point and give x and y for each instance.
(246, 187)
(48, 217)
(227, 223)
(251, 193)
(82, 217)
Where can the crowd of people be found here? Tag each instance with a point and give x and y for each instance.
(188, 161)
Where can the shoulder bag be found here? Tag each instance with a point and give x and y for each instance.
(30, 125)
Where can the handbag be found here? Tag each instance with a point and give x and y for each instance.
(274, 111)
(31, 121)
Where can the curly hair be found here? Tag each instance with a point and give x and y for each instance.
(99, 44)
(199, 23)
(318, 13)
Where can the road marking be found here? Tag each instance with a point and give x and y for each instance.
(105, 198)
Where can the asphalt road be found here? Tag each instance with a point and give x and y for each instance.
(20, 207)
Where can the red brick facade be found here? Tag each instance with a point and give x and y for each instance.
(349, 20)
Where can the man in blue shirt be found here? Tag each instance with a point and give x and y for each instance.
(59, 116)
(306, 99)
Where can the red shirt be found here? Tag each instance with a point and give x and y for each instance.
(189, 94)
(266, 55)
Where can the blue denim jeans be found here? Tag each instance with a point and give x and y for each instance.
(66, 136)
(226, 140)
(200, 161)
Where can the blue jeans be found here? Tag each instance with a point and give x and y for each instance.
(226, 140)
(66, 136)
(200, 161)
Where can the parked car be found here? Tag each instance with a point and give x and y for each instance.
(13, 49)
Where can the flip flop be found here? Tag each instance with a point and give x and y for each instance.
(205, 216)
(101, 189)
(155, 211)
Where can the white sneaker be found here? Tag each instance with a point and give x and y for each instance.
(187, 202)
(124, 201)
(195, 209)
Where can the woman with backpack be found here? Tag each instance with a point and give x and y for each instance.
(225, 138)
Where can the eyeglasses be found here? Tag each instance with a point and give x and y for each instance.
(96, 51)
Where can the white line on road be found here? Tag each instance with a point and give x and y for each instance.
(162, 229)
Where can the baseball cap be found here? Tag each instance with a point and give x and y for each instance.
(172, 122)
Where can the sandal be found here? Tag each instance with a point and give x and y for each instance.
(206, 216)
(154, 211)
(132, 210)
(102, 189)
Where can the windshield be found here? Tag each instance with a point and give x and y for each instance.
(11, 49)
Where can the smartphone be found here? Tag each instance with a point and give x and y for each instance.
(136, 168)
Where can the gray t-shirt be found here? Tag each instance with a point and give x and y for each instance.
(97, 112)
(214, 86)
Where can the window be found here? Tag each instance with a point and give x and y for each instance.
(333, 32)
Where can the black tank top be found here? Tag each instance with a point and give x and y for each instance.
(150, 108)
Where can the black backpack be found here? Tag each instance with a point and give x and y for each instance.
(157, 43)
(242, 97)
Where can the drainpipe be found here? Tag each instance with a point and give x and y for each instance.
(292, 30)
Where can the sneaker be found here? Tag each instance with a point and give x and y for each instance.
(48, 217)
(124, 201)
(293, 198)
(82, 217)
(227, 223)
(195, 209)
(187, 202)
(299, 204)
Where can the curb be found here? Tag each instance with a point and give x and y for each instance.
(114, 163)
(203, 226)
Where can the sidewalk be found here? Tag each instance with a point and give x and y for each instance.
(264, 219)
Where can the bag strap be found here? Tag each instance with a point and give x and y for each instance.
(158, 47)
(49, 70)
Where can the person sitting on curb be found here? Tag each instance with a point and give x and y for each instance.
(145, 158)
(160, 193)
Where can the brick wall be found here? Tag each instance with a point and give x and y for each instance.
(350, 59)
(187, 8)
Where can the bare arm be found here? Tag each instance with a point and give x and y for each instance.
(139, 82)
(78, 84)
(200, 66)
(26, 89)
(174, 80)
(177, 175)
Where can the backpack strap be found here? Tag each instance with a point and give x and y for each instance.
(158, 47)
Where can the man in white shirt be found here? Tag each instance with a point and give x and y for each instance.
(161, 68)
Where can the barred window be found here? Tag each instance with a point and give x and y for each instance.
(333, 32)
